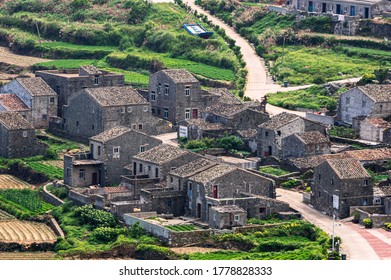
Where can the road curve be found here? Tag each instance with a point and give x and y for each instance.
(354, 244)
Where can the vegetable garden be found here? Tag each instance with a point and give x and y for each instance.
(26, 232)
(11, 182)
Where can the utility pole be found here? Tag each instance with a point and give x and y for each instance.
(39, 34)
(332, 237)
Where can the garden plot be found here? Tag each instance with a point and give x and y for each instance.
(4, 216)
(26, 232)
(27, 256)
(11, 182)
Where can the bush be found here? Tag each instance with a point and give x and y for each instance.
(106, 234)
(96, 218)
(356, 217)
(290, 184)
(367, 222)
(387, 226)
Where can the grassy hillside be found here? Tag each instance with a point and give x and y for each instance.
(96, 29)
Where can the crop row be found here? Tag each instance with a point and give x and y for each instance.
(50, 170)
(10, 182)
(25, 232)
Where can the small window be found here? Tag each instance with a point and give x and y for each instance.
(166, 89)
(159, 88)
(122, 110)
(82, 174)
(45, 117)
(347, 100)
(134, 126)
(187, 114)
(319, 194)
(319, 177)
(149, 168)
(381, 107)
(51, 100)
(93, 127)
(99, 150)
(96, 80)
(366, 183)
(365, 201)
(153, 96)
(364, 103)
(140, 126)
(140, 168)
(266, 133)
(332, 182)
(153, 111)
(236, 218)
(214, 216)
(116, 150)
(171, 179)
(68, 172)
(77, 123)
(187, 91)
(165, 115)
(173, 168)
(145, 109)
(142, 149)
(129, 109)
(279, 132)
(25, 134)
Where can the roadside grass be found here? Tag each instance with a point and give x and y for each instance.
(273, 171)
(315, 98)
(306, 65)
(64, 63)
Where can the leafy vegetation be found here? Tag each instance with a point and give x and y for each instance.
(228, 143)
(52, 172)
(315, 98)
(377, 177)
(182, 227)
(344, 132)
(60, 192)
(273, 171)
(290, 184)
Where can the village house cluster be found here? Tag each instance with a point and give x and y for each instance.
(129, 170)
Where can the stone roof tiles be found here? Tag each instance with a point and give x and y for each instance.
(116, 96)
(91, 70)
(212, 173)
(193, 167)
(161, 154)
(204, 125)
(14, 121)
(378, 122)
(312, 137)
(180, 75)
(312, 161)
(247, 133)
(348, 168)
(36, 86)
(370, 154)
(231, 109)
(225, 95)
(111, 134)
(279, 121)
(379, 93)
(11, 102)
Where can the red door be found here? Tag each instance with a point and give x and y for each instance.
(195, 114)
(214, 191)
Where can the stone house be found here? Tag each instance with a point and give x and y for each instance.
(17, 137)
(271, 133)
(353, 8)
(206, 188)
(310, 143)
(339, 184)
(176, 95)
(67, 82)
(239, 116)
(196, 129)
(227, 217)
(249, 137)
(159, 161)
(369, 100)
(31, 97)
(94, 110)
(375, 130)
(110, 152)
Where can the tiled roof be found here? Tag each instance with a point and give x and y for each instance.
(312, 137)
(378, 122)
(204, 125)
(90, 69)
(110, 134)
(231, 109)
(14, 121)
(279, 121)
(212, 173)
(348, 168)
(247, 133)
(193, 167)
(382, 191)
(228, 209)
(11, 102)
(370, 154)
(379, 93)
(115, 189)
(180, 75)
(312, 161)
(116, 96)
(161, 154)
(225, 95)
(36, 86)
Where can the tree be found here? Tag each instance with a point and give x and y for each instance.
(381, 74)
(138, 10)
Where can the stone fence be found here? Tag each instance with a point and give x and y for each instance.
(173, 238)
(371, 212)
(51, 198)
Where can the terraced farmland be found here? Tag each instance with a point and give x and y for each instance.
(27, 256)
(11, 182)
(26, 232)
(4, 216)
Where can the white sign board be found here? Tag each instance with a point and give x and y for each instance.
(335, 201)
(182, 131)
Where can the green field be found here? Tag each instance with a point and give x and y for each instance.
(273, 171)
(51, 171)
(182, 227)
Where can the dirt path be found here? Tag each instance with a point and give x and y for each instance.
(190, 250)
(8, 57)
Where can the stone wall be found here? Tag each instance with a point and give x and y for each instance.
(163, 201)
(80, 199)
(326, 120)
(378, 220)
(50, 198)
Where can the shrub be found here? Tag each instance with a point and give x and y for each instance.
(387, 226)
(96, 218)
(290, 184)
(106, 234)
(367, 222)
(356, 217)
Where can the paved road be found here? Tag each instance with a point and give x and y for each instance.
(358, 243)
